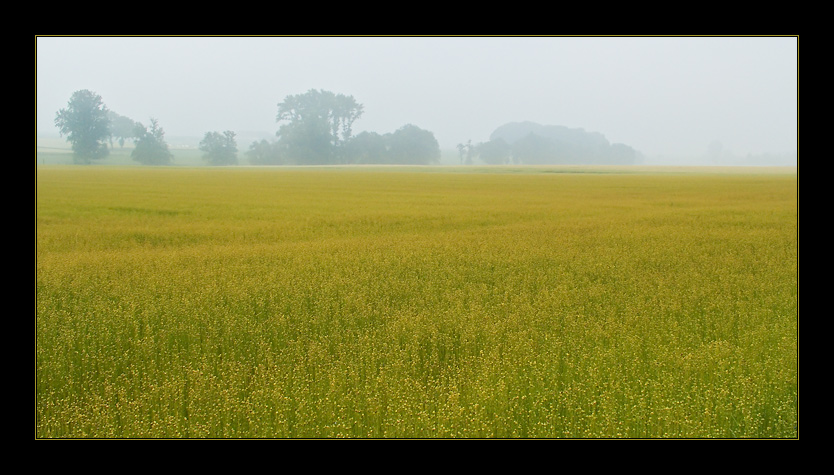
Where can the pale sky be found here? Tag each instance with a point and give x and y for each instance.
(669, 96)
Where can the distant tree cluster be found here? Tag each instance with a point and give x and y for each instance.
(533, 144)
(316, 128)
(408, 145)
(89, 126)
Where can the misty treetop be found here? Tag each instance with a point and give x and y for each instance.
(219, 149)
(411, 144)
(121, 128)
(337, 111)
(408, 145)
(316, 125)
(317, 129)
(151, 148)
(534, 144)
(86, 125)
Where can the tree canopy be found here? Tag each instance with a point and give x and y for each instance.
(317, 129)
(151, 148)
(495, 152)
(407, 145)
(86, 125)
(121, 128)
(316, 126)
(412, 145)
(219, 149)
(264, 152)
(532, 143)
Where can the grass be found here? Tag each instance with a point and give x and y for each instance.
(430, 303)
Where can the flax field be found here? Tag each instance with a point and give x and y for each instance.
(447, 302)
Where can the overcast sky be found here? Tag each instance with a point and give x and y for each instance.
(668, 96)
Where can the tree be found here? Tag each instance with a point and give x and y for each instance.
(470, 152)
(533, 143)
(622, 154)
(367, 147)
(412, 145)
(151, 148)
(220, 149)
(306, 142)
(264, 153)
(494, 152)
(534, 149)
(317, 125)
(467, 151)
(86, 125)
(121, 128)
(461, 151)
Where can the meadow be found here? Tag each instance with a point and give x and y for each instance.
(198, 302)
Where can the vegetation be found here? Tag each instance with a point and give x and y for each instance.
(151, 148)
(86, 125)
(264, 152)
(408, 145)
(475, 302)
(316, 125)
(219, 149)
(316, 129)
(121, 128)
(533, 144)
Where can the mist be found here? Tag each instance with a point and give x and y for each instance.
(676, 100)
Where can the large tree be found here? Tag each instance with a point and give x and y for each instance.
(219, 149)
(86, 125)
(151, 148)
(316, 125)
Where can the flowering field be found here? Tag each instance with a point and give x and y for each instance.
(429, 303)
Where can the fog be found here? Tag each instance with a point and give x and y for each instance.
(670, 98)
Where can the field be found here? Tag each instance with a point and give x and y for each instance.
(416, 303)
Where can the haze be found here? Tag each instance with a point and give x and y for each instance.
(670, 98)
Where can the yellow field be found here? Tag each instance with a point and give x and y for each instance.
(417, 302)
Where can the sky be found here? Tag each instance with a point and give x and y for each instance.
(665, 96)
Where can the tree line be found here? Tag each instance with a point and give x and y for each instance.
(534, 144)
(315, 129)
